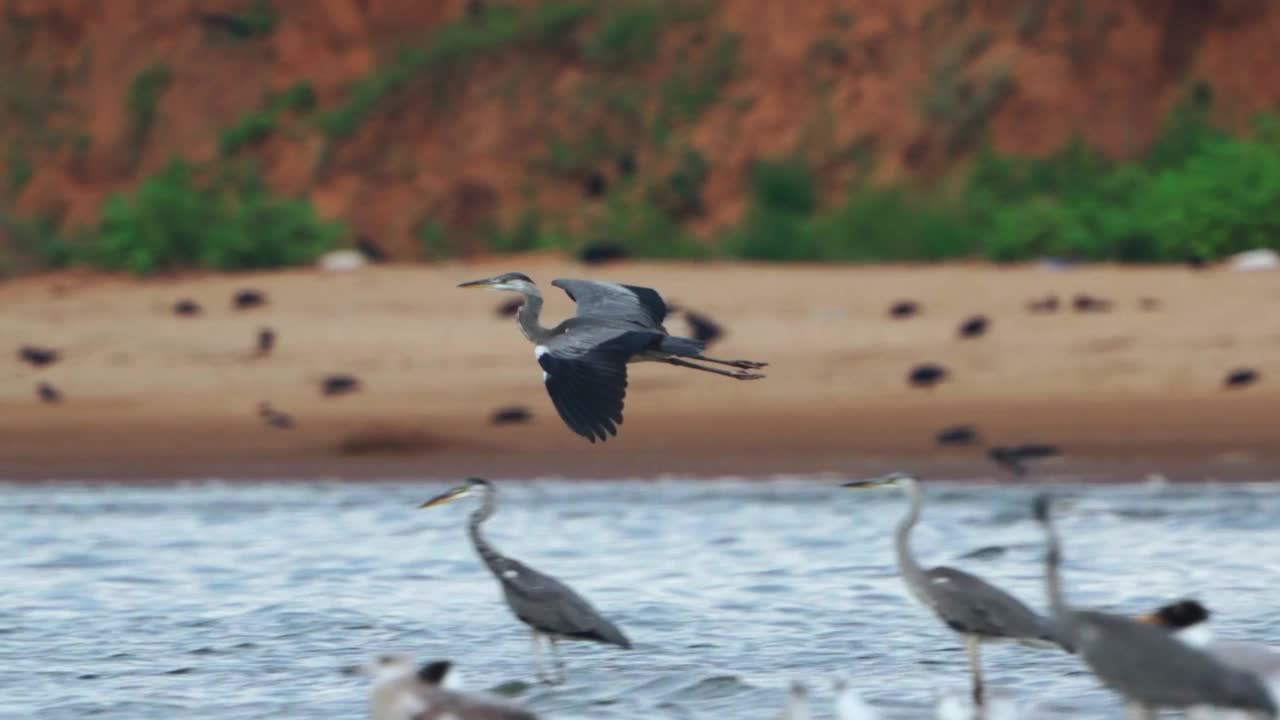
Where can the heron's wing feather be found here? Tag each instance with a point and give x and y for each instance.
(640, 305)
(586, 375)
(553, 607)
(587, 390)
(970, 604)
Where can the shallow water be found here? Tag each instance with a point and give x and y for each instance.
(242, 601)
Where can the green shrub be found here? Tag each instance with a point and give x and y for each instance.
(628, 34)
(173, 221)
(641, 227)
(144, 99)
(250, 129)
(20, 168)
(893, 224)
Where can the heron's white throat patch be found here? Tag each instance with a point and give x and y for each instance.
(540, 350)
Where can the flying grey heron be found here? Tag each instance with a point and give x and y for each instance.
(1188, 620)
(549, 607)
(403, 690)
(584, 359)
(1146, 664)
(967, 604)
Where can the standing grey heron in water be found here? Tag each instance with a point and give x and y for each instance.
(549, 607)
(584, 359)
(967, 604)
(1143, 662)
(403, 690)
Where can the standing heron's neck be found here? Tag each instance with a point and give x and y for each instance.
(907, 565)
(528, 316)
(491, 557)
(1053, 584)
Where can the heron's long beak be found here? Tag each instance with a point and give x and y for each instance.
(868, 484)
(1149, 619)
(485, 283)
(445, 497)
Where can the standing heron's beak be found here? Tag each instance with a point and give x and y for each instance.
(446, 497)
(1149, 619)
(868, 484)
(487, 282)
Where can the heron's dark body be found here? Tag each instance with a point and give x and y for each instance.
(1118, 649)
(971, 606)
(1144, 662)
(584, 358)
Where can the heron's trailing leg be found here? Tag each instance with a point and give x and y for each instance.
(744, 364)
(975, 667)
(736, 374)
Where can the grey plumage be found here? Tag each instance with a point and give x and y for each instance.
(405, 691)
(966, 603)
(1144, 662)
(1188, 619)
(584, 358)
(549, 607)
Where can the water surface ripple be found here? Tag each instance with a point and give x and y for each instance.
(241, 601)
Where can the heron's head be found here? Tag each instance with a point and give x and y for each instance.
(513, 281)
(1178, 615)
(382, 667)
(893, 479)
(470, 486)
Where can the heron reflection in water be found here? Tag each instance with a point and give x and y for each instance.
(584, 359)
(550, 608)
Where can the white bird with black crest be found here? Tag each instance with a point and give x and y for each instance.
(584, 358)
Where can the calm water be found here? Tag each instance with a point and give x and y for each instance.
(216, 601)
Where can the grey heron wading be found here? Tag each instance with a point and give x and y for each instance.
(403, 690)
(584, 359)
(1143, 662)
(549, 607)
(966, 603)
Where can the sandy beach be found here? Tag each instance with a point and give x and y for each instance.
(151, 395)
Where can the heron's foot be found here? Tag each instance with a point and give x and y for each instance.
(744, 375)
(748, 364)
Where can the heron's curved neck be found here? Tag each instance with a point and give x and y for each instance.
(907, 565)
(529, 314)
(1052, 582)
(491, 557)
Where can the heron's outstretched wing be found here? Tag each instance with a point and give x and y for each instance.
(971, 605)
(587, 378)
(640, 305)
(552, 607)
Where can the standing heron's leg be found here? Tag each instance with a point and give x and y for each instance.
(975, 667)
(746, 364)
(562, 674)
(1138, 711)
(736, 374)
(537, 655)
